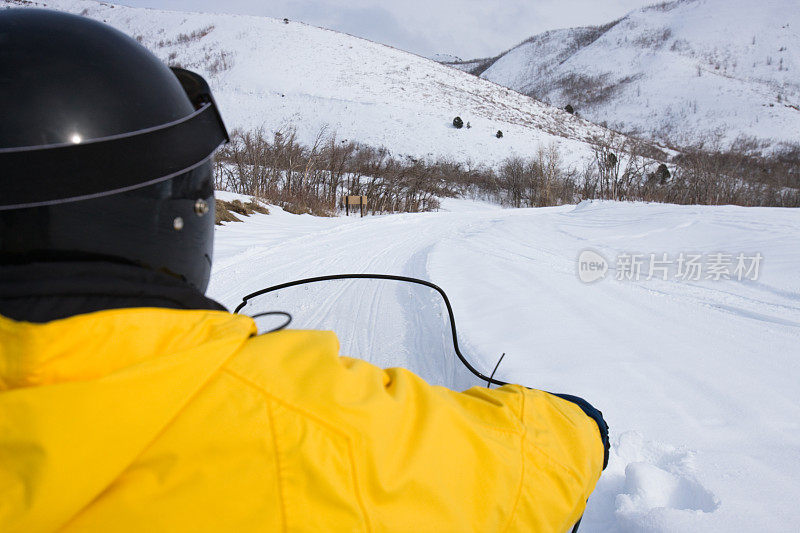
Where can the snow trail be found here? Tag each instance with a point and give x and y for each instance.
(697, 379)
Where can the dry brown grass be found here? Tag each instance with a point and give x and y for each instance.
(224, 211)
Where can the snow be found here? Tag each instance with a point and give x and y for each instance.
(697, 379)
(271, 75)
(227, 196)
(691, 71)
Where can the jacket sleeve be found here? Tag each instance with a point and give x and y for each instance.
(426, 458)
(511, 459)
(596, 415)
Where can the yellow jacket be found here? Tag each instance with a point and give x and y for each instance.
(163, 420)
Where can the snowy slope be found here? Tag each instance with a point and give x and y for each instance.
(269, 74)
(688, 71)
(698, 379)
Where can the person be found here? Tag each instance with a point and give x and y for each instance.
(129, 401)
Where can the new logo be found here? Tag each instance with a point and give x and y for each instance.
(591, 266)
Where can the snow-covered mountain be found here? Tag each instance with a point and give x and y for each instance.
(270, 73)
(686, 71)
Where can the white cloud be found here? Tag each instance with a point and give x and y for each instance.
(466, 28)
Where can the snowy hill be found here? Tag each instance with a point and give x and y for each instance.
(697, 378)
(688, 71)
(270, 74)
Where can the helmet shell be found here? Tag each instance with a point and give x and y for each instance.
(66, 78)
(63, 76)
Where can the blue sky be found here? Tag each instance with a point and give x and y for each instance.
(465, 28)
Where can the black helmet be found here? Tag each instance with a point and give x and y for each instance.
(104, 151)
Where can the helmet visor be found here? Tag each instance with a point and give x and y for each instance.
(99, 167)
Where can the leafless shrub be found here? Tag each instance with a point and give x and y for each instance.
(535, 182)
(196, 35)
(621, 164)
(591, 33)
(653, 38)
(680, 45)
(314, 179)
(664, 6)
(482, 65)
(218, 61)
(577, 38)
(704, 177)
(740, 176)
(586, 91)
(184, 38)
(624, 170)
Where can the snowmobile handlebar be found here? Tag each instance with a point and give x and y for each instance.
(488, 379)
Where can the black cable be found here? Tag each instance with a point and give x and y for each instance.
(487, 379)
(272, 313)
(495, 369)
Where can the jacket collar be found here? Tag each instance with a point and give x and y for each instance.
(49, 290)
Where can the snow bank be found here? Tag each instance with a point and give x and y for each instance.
(697, 379)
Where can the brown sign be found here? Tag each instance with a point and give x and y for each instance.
(356, 200)
(360, 201)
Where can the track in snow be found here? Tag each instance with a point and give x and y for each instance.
(698, 380)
